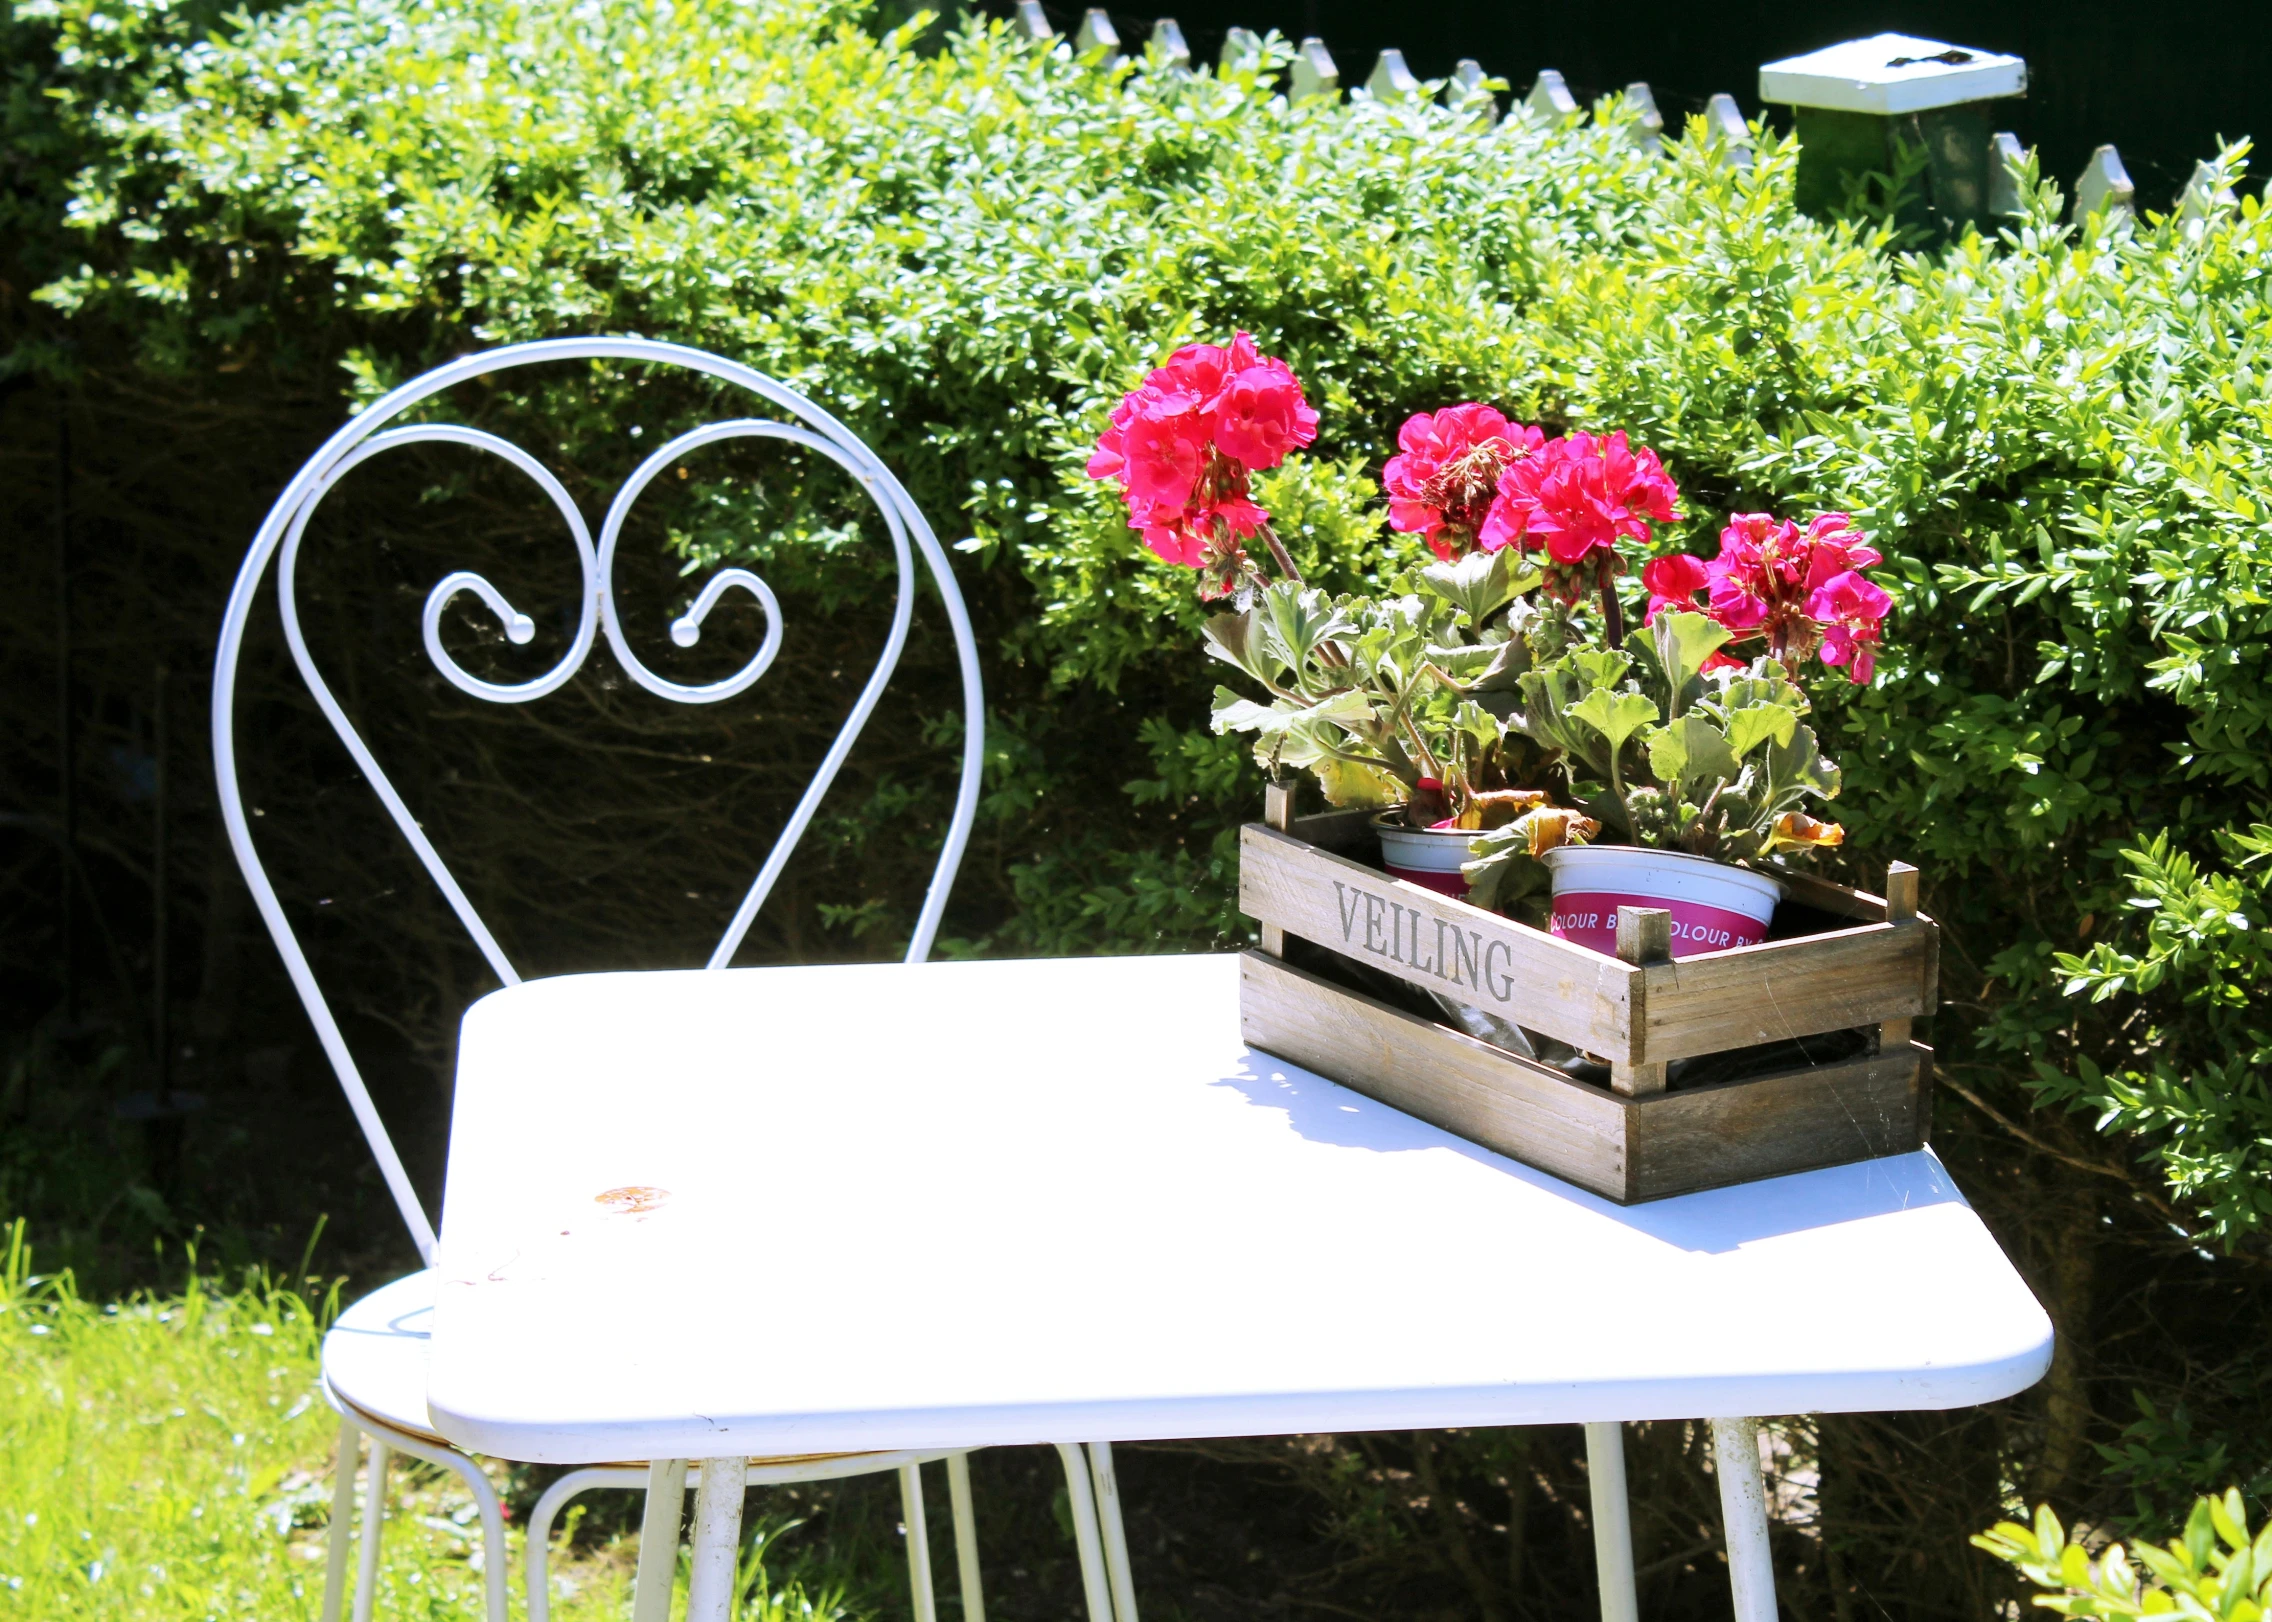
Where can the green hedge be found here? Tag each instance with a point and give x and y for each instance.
(2061, 438)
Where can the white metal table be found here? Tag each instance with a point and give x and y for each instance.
(1136, 1227)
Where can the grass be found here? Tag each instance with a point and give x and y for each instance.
(170, 1457)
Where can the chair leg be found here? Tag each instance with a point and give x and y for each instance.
(342, 1517)
(496, 1561)
(966, 1537)
(1743, 1514)
(658, 1541)
(1085, 1537)
(1613, 1523)
(918, 1543)
(1115, 1534)
(542, 1516)
(374, 1513)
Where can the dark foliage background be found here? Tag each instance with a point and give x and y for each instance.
(217, 234)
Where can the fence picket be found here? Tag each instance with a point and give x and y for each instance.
(1167, 39)
(1648, 123)
(1314, 73)
(2205, 194)
(1724, 126)
(1550, 98)
(1098, 34)
(1465, 89)
(1392, 82)
(2104, 186)
(2007, 160)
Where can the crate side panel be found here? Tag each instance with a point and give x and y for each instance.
(1343, 832)
(1812, 890)
(1784, 989)
(1570, 993)
(1766, 1126)
(1522, 1110)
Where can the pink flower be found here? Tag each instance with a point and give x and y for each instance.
(1443, 485)
(1260, 415)
(1182, 444)
(1801, 591)
(1204, 369)
(1673, 582)
(1580, 494)
(1746, 578)
(1850, 611)
(1164, 449)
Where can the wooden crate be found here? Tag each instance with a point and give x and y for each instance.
(1631, 1140)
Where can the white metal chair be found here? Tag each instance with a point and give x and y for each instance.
(374, 1359)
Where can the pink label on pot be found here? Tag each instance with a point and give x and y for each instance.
(1590, 919)
(1452, 884)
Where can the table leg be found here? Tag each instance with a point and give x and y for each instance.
(717, 1541)
(918, 1542)
(658, 1541)
(1613, 1522)
(1115, 1533)
(966, 1538)
(1743, 1513)
(1085, 1539)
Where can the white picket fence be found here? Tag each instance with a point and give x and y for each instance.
(2104, 184)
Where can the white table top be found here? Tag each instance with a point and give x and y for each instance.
(965, 1204)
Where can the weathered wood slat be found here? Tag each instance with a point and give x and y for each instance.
(1644, 937)
(1487, 1095)
(1782, 989)
(1767, 1126)
(1521, 974)
(1808, 890)
(1626, 1149)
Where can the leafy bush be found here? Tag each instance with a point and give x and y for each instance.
(2060, 436)
(2215, 1569)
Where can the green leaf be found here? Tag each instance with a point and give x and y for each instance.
(1600, 667)
(1616, 716)
(1693, 753)
(1797, 769)
(1477, 585)
(1754, 724)
(1235, 639)
(1684, 641)
(1347, 783)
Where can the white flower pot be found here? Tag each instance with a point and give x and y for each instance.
(1713, 905)
(1428, 857)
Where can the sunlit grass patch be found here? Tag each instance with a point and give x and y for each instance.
(171, 1457)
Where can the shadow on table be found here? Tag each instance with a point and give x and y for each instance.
(1718, 1219)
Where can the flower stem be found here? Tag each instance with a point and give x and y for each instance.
(1281, 556)
(1612, 612)
(1617, 790)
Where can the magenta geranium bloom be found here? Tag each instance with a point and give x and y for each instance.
(1580, 495)
(1182, 444)
(1850, 611)
(1442, 486)
(1800, 591)
(1674, 582)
